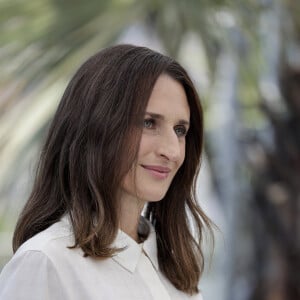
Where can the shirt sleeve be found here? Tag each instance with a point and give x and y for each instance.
(30, 276)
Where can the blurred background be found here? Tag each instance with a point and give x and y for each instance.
(244, 57)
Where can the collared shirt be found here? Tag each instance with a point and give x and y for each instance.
(45, 268)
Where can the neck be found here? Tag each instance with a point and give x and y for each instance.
(131, 209)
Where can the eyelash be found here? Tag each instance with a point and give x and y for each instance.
(180, 130)
(150, 120)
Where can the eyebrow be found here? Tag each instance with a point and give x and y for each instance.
(161, 117)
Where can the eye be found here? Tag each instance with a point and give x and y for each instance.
(180, 130)
(149, 123)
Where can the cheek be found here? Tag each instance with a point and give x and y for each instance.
(146, 145)
(182, 151)
(128, 183)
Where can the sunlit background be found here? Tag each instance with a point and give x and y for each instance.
(244, 57)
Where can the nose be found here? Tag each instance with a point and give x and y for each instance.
(169, 146)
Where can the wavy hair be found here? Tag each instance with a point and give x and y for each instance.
(93, 141)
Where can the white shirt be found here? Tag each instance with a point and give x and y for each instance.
(44, 268)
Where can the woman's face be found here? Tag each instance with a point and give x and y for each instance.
(162, 145)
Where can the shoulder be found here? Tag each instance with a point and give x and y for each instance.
(29, 275)
(49, 247)
(37, 264)
(55, 239)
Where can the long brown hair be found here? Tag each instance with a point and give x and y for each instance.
(92, 143)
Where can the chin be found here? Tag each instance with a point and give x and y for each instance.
(153, 197)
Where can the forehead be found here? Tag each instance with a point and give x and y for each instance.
(168, 98)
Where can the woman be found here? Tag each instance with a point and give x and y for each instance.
(127, 137)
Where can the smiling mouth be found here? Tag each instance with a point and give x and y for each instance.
(158, 172)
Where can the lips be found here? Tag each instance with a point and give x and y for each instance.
(159, 172)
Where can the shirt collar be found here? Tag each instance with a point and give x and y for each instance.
(129, 257)
(150, 247)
